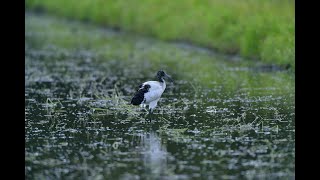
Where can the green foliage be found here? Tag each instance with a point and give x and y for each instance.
(259, 29)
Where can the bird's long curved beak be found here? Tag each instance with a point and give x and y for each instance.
(167, 76)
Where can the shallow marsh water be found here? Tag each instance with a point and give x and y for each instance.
(221, 118)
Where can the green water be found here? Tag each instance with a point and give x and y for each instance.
(222, 118)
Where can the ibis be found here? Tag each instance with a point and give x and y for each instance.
(149, 92)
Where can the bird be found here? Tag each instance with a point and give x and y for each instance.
(149, 92)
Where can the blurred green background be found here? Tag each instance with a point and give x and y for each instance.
(262, 30)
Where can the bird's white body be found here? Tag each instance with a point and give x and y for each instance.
(154, 93)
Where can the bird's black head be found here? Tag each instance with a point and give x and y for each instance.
(161, 74)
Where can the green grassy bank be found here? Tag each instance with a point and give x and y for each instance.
(59, 39)
(257, 29)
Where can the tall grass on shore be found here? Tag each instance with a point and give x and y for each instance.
(61, 39)
(257, 29)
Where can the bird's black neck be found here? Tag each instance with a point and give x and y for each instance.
(160, 79)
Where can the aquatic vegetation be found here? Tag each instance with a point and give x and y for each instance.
(116, 105)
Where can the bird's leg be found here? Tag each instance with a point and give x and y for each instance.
(145, 108)
(150, 112)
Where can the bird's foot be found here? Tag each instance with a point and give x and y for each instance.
(148, 117)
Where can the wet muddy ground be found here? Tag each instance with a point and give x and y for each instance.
(220, 119)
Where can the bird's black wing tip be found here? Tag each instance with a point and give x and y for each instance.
(135, 101)
(139, 96)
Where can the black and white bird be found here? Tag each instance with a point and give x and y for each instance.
(150, 92)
